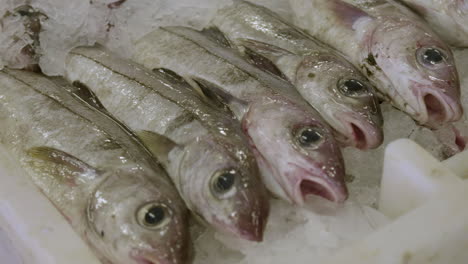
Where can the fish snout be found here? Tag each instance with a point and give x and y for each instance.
(330, 186)
(251, 215)
(438, 108)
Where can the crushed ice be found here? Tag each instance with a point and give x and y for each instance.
(294, 235)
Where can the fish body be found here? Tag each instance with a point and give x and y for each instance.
(294, 147)
(406, 61)
(321, 75)
(105, 184)
(449, 18)
(205, 153)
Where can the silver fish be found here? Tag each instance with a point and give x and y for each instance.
(449, 18)
(294, 147)
(202, 147)
(403, 57)
(105, 184)
(332, 85)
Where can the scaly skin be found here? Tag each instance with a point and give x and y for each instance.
(100, 180)
(399, 53)
(449, 18)
(209, 141)
(316, 70)
(256, 98)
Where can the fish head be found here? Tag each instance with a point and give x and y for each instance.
(295, 149)
(422, 71)
(135, 218)
(344, 98)
(221, 179)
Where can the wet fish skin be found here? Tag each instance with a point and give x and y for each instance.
(449, 18)
(317, 71)
(207, 147)
(103, 188)
(398, 52)
(252, 93)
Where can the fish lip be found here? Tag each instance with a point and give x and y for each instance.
(145, 260)
(330, 189)
(449, 109)
(358, 127)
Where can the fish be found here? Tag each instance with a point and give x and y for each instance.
(294, 147)
(448, 18)
(101, 179)
(200, 144)
(409, 64)
(332, 85)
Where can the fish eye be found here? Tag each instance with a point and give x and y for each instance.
(222, 184)
(430, 57)
(153, 216)
(309, 136)
(352, 87)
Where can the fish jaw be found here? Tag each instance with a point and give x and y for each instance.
(249, 224)
(317, 183)
(360, 132)
(292, 172)
(436, 107)
(141, 257)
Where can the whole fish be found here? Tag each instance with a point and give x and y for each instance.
(405, 59)
(202, 147)
(449, 18)
(105, 184)
(332, 85)
(294, 147)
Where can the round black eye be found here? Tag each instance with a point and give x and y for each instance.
(153, 216)
(433, 56)
(309, 136)
(223, 182)
(352, 88)
(430, 57)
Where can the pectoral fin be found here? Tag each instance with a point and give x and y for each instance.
(219, 98)
(61, 165)
(347, 13)
(159, 145)
(215, 34)
(263, 62)
(82, 91)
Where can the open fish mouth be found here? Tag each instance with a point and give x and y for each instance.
(321, 185)
(438, 108)
(359, 132)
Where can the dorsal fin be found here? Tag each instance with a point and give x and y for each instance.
(347, 13)
(215, 34)
(167, 73)
(61, 165)
(221, 101)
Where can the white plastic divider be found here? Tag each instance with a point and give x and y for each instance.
(435, 233)
(431, 202)
(411, 176)
(458, 164)
(32, 226)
